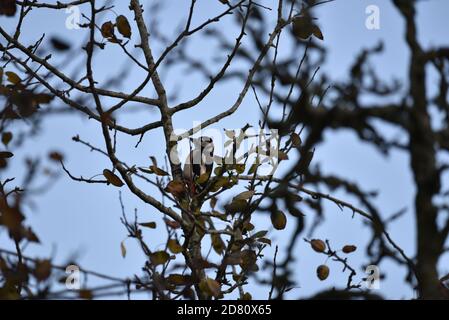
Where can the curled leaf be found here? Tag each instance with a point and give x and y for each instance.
(6, 154)
(202, 179)
(151, 225)
(318, 245)
(112, 178)
(240, 168)
(174, 246)
(217, 243)
(159, 257)
(304, 27)
(158, 171)
(260, 234)
(213, 202)
(123, 26)
(279, 220)
(237, 205)
(245, 195)
(123, 248)
(42, 269)
(8, 8)
(349, 248)
(210, 287)
(296, 139)
(175, 187)
(55, 156)
(247, 296)
(107, 30)
(179, 279)
(322, 272)
(13, 77)
(316, 31)
(6, 138)
(248, 259)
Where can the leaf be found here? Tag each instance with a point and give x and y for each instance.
(159, 257)
(146, 170)
(248, 226)
(213, 202)
(217, 243)
(302, 27)
(112, 178)
(55, 156)
(202, 179)
(318, 245)
(151, 225)
(123, 248)
(282, 155)
(42, 269)
(42, 98)
(279, 220)
(179, 279)
(349, 248)
(322, 272)
(107, 30)
(175, 187)
(240, 168)
(6, 154)
(85, 294)
(259, 234)
(210, 287)
(249, 259)
(174, 246)
(158, 171)
(236, 206)
(8, 8)
(247, 296)
(221, 182)
(296, 139)
(316, 31)
(6, 138)
(218, 171)
(13, 78)
(265, 241)
(245, 195)
(123, 26)
(31, 236)
(233, 259)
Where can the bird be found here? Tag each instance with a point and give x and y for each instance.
(199, 163)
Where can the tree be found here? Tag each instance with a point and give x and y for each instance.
(197, 214)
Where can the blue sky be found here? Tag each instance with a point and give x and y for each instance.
(75, 217)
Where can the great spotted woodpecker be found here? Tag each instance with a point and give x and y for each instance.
(199, 163)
